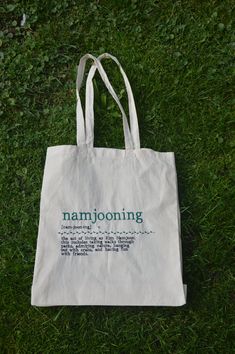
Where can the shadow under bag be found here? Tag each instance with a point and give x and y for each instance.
(109, 228)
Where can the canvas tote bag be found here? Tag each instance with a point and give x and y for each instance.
(109, 228)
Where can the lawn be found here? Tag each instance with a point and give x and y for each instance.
(178, 56)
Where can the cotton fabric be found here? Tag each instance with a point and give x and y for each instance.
(109, 227)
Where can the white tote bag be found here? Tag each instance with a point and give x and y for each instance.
(109, 228)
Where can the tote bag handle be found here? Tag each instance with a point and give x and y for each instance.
(90, 103)
(81, 133)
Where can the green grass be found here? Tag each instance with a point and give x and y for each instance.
(178, 56)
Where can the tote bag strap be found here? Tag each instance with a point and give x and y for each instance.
(90, 102)
(81, 133)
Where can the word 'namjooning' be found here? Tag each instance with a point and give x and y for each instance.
(104, 216)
